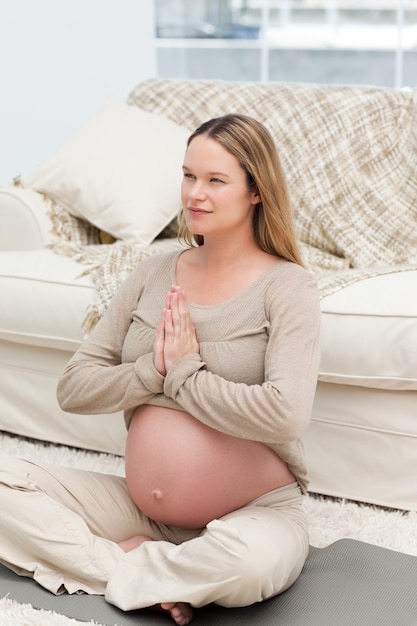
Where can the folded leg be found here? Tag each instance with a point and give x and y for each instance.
(62, 525)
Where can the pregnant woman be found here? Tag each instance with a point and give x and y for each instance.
(212, 353)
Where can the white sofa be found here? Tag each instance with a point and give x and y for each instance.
(351, 159)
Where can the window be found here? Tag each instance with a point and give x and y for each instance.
(324, 41)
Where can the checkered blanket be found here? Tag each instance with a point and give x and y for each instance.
(350, 157)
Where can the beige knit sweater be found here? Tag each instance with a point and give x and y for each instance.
(256, 373)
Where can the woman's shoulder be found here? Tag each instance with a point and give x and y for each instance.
(289, 272)
(156, 263)
(154, 268)
(291, 282)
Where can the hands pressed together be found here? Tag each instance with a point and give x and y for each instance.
(175, 334)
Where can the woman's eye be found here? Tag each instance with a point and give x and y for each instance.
(188, 175)
(216, 180)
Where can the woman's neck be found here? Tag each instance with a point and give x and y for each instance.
(228, 253)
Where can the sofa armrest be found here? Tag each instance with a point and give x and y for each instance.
(24, 220)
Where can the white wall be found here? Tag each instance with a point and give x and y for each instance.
(59, 60)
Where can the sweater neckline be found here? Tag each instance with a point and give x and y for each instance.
(279, 265)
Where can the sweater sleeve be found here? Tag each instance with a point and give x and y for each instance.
(279, 409)
(95, 380)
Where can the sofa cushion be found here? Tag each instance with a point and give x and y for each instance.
(121, 171)
(44, 299)
(369, 333)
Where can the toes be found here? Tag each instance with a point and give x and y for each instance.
(181, 613)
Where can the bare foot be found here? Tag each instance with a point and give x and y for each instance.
(180, 612)
(133, 542)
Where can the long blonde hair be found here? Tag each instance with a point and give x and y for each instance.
(252, 145)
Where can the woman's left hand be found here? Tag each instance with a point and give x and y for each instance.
(180, 335)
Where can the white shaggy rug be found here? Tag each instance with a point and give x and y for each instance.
(329, 520)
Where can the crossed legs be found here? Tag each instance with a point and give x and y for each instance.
(76, 530)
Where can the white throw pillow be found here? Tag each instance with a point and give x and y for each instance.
(121, 171)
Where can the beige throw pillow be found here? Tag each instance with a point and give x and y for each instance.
(121, 171)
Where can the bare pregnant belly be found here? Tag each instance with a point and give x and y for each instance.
(183, 473)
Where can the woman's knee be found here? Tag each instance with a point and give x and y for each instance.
(264, 563)
(15, 473)
(14, 487)
(257, 579)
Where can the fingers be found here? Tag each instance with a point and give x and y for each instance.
(180, 314)
(177, 307)
(158, 346)
(180, 338)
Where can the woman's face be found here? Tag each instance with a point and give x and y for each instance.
(215, 196)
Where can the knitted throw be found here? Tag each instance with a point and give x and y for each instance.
(350, 157)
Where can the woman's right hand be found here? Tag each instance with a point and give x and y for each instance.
(158, 347)
(159, 343)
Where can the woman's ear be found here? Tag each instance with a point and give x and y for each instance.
(255, 197)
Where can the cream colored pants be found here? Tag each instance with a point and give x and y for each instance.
(61, 526)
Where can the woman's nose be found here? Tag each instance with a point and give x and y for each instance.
(197, 190)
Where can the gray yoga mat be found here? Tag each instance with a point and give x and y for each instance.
(349, 583)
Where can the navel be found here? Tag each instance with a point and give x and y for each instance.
(156, 494)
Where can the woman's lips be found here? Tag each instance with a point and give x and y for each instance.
(196, 211)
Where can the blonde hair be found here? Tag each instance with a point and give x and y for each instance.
(252, 145)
